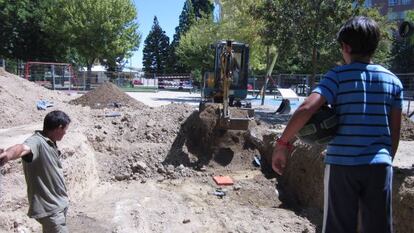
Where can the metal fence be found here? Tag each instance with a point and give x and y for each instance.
(408, 83)
(298, 82)
(12, 66)
(301, 84)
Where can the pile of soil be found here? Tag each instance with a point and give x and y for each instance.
(407, 128)
(148, 144)
(106, 95)
(403, 199)
(211, 146)
(168, 142)
(18, 100)
(134, 145)
(302, 181)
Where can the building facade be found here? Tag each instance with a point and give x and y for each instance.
(394, 9)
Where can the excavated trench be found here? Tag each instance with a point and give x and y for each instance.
(170, 142)
(301, 186)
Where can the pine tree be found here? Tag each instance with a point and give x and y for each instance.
(193, 10)
(187, 18)
(156, 50)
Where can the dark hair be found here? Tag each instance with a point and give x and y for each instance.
(54, 119)
(362, 34)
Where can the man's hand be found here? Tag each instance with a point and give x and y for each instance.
(279, 159)
(4, 158)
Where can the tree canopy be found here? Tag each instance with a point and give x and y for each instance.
(410, 18)
(236, 23)
(202, 8)
(97, 30)
(194, 49)
(299, 36)
(193, 11)
(186, 19)
(403, 51)
(22, 34)
(92, 30)
(303, 32)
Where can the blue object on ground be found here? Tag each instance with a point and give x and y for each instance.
(43, 104)
(113, 114)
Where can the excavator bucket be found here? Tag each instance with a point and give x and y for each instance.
(237, 119)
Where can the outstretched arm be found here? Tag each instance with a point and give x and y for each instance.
(13, 152)
(298, 120)
(395, 126)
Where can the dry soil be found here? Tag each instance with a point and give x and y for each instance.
(135, 168)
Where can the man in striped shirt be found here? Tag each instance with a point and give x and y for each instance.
(368, 101)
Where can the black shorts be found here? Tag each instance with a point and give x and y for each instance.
(349, 189)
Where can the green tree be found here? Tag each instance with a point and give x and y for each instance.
(236, 23)
(156, 50)
(410, 17)
(194, 50)
(202, 8)
(22, 31)
(309, 27)
(383, 53)
(193, 10)
(96, 30)
(403, 51)
(187, 18)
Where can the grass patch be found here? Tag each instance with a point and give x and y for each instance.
(138, 89)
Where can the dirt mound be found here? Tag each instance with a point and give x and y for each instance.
(167, 142)
(302, 181)
(106, 95)
(151, 144)
(134, 145)
(407, 129)
(403, 199)
(18, 100)
(199, 143)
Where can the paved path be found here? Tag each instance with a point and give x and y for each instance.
(156, 99)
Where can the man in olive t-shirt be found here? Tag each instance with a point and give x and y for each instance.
(46, 190)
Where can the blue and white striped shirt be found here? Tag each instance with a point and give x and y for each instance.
(362, 95)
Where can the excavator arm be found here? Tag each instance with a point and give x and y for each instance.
(223, 93)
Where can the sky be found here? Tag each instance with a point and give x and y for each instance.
(167, 12)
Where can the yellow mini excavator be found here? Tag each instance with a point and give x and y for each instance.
(226, 87)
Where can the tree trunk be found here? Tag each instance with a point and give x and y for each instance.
(269, 74)
(314, 63)
(88, 76)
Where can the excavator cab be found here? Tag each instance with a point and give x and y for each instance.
(238, 66)
(226, 87)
